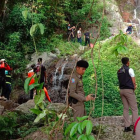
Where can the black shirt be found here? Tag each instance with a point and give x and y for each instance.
(87, 34)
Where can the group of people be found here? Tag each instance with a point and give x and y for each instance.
(127, 85)
(40, 70)
(72, 35)
(5, 80)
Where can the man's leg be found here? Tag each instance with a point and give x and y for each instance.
(125, 108)
(85, 41)
(89, 42)
(7, 95)
(131, 98)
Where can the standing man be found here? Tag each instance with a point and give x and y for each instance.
(127, 86)
(76, 92)
(87, 37)
(40, 70)
(79, 34)
(3, 66)
(73, 34)
(69, 31)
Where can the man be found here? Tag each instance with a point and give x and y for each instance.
(7, 89)
(73, 34)
(76, 92)
(87, 37)
(40, 70)
(69, 31)
(3, 66)
(129, 29)
(127, 86)
(79, 34)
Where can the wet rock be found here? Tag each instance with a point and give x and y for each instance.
(8, 105)
(25, 108)
(57, 107)
(23, 98)
(1, 109)
(136, 21)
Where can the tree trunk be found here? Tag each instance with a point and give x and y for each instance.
(2, 2)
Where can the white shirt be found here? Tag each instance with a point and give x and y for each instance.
(131, 72)
(79, 33)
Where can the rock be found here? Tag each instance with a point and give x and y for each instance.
(8, 105)
(1, 109)
(23, 98)
(57, 107)
(46, 58)
(25, 108)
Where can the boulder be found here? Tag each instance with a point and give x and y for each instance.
(25, 108)
(8, 105)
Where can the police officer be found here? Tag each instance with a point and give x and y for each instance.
(127, 86)
(76, 92)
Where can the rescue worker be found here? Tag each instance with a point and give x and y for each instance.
(79, 35)
(3, 66)
(30, 74)
(7, 89)
(127, 85)
(76, 92)
(129, 29)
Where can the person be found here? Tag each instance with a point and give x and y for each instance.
(30, 74)
(87, 37)
(127, 85)
(76, 92)
(79, 34)
(69, 31)
(73, 34)
(3, 66)
(40, 70)
(7, 89)
(129, 29)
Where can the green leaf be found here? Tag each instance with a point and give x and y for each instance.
(90, 137)
(35, 111)
(89, 127)
(74, 130)
(40, 116)
(40, 86)
(69, 127)
(80, 128)
(25, 14)
(26, 85)
(32, 29)
(82, 137)
(41, 26)
(32, 86)
(84, 124)
(82, 118)
(41, 97)
(36, 98)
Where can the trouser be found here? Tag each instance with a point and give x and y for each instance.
(31, 93)
(78, 110)
(138, 131)
(7, 91)
(72, 38)
(79, 40)
(2, 85)
(87, 40)
(129, 100)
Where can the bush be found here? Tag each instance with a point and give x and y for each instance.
(110, 63)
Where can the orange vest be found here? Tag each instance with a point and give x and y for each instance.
(2, 66)
(30, 74)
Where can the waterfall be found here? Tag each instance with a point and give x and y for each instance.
(62, 71)
(55, 76)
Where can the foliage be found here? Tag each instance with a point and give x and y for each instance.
(13, 125)
(110, 63)
(121, 40)
(80, 130)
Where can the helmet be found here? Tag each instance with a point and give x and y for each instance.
(2, 60)
(6, 72)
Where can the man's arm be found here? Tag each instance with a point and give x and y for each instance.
(134, 82)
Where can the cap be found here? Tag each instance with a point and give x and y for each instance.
(82, 63)
(2, 60)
